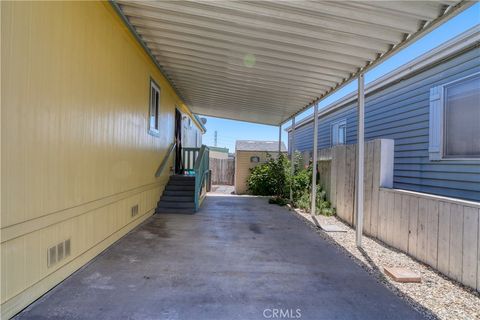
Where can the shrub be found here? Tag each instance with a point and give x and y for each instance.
(278, 200)
(269, 178)
(273, 178)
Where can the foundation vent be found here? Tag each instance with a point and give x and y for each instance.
(67, 248)
(58, 252)
(134, 210)
(51, 256)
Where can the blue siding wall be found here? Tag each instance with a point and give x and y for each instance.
(400, 112)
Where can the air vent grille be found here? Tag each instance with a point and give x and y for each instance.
(58, 252)
(134, 210)
(52, 256)
(67, 248)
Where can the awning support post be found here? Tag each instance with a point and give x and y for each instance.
(279, 139)
(314, 163)
(292, 157)
(360, 158)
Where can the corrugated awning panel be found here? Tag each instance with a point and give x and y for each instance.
(262, 61)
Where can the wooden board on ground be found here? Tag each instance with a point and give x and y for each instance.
(402, 274)
(328, 227)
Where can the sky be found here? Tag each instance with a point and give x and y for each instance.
(228, 131)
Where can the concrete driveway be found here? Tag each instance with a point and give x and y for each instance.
(238, 258)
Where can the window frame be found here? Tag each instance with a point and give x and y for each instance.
(154, 131)
(255, 157)
(437, 122)
(341, 122)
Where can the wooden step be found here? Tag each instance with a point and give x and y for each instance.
(179, 177)
(176, 204)
(174, 210)
(180, 193)
(182, 182)
(171, 187)
(178, 198)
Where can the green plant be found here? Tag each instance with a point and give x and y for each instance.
(274, 178)
(278, 200)
(269, 178)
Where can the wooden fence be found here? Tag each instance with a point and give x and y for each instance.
(439, 231)
(223, 171)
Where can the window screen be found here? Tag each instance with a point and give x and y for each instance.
(462, 119)
(154, 125)
(339, 132)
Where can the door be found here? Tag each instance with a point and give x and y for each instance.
(178, 141)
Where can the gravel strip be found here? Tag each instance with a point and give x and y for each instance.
(437, 297)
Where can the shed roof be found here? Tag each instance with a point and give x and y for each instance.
(257, 145)
(264, 61)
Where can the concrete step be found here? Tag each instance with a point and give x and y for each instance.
(180, 193)
(178, 198)
(175, 204)
(171, 187)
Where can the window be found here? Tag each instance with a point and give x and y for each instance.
(254, 159)
(153, 119)
(339, 132)
(455, 120)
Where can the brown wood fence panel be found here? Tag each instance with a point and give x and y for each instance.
(223, 171)
(441, 232)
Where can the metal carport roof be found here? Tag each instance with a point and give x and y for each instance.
(264, 61)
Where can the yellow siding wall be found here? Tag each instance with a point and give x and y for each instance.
(75, 153)
(243, 166)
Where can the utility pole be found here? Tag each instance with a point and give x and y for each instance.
(215, 138)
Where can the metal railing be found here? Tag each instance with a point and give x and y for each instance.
(165, 160)
(202, 175)
(196, 162)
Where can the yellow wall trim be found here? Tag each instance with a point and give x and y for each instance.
(26, 227)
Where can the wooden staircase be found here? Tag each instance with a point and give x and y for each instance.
(179, 195)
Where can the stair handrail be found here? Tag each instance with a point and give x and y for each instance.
(202, 168)
(164, 162)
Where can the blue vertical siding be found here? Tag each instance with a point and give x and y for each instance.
(401, 112)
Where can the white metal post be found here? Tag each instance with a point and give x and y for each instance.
(360, 157)
(279, 139)
(292, 157)
(314, 164)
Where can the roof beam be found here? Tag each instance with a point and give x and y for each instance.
(212, 19)
(197, 34)
(193, 78)
(419, 9)
(237, 59)
(284, 85)
(199, 45)
(332, 8)
(207, 60)
(237, 73)
(290, 18)
(187, 61)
